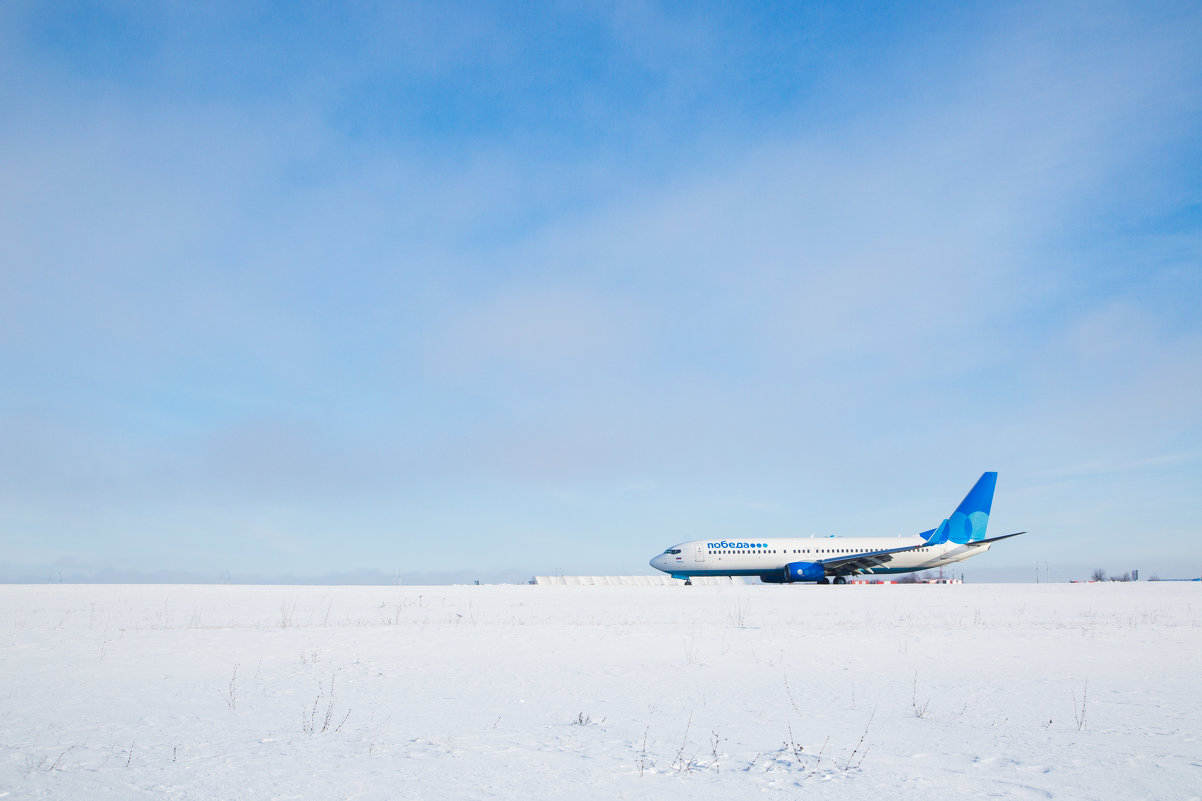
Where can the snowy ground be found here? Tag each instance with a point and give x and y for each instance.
(1007, 691)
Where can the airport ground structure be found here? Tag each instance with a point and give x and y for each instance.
(713, 581)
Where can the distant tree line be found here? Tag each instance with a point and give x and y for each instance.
(1100, 575)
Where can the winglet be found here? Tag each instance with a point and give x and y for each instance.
(939, 535)
(967, 524)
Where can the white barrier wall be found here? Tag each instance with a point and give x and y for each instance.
(634, 581)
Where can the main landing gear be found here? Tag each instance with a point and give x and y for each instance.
(835, 580)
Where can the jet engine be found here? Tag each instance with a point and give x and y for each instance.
(804, 571)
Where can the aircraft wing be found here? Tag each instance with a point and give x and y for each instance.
(859, 562)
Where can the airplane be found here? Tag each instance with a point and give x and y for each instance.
(832, 559)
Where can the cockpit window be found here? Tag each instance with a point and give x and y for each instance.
(672, 550)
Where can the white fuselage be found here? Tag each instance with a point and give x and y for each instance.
(768, 556)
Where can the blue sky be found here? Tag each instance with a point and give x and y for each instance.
(444, 290)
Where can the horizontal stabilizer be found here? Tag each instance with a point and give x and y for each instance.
(995, 539)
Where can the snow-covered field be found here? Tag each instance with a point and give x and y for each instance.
(1007, 691)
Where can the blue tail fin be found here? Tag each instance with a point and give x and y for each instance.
(968, 522)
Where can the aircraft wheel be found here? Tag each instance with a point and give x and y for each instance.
(688, 583)
(824, 581)
(840, 580)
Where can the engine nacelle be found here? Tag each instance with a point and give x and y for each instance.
(805, 571)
